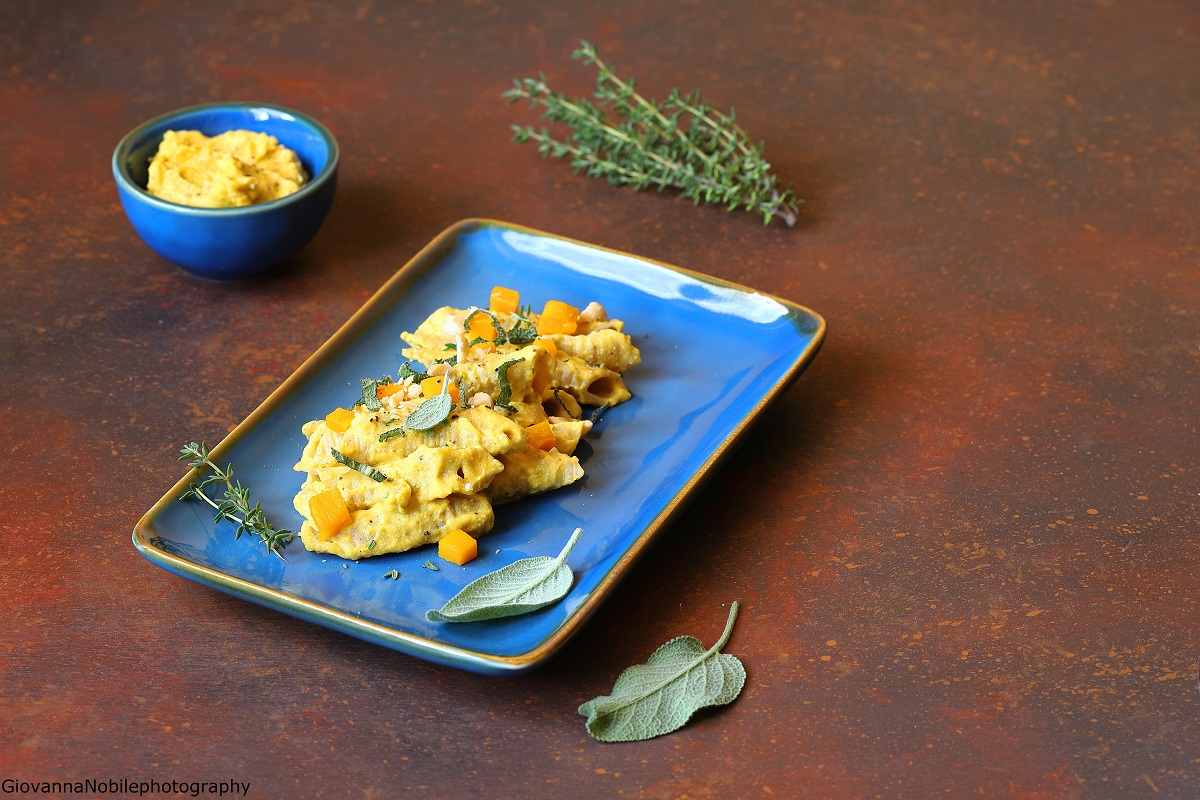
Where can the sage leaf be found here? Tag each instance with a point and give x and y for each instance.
(370, 395)
(505, 393)
(358, 466)
(522, 333)
(660, 696)
(521, 587)
(406, 371)
(434, 410)
(394, 432)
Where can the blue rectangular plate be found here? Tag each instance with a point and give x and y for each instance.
(713, 356)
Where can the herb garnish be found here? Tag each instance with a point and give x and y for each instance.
(598, 413)
(383, 437)
(520, 334)
(521, 587)
(406, 371)
(660, 696)
(370, 396)
(682, 143)
(558, 399)
(505, 393)
(432, 566)
(358, 466)
(393, 574)
(500, 338)
(236, 505)
(434, 410)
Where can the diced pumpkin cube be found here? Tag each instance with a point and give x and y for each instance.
(388, 389)
(339, 420)
(540, 436)
(481, 327)
(458, 547)
(432, 387)
(329, 513)
(558, 317)
(505, 300)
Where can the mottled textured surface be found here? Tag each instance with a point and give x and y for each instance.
(964, 542)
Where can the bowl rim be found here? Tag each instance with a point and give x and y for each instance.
(313, 185)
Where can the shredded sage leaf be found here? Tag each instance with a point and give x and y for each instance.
(521, 587)
(406, 371)
(565, 407)
(432, 566)
(505, 393)
(357, 466)
(393, 574)
(491, 318)
(660, 696)
(370, 398)
(383, 437)
(521, 334)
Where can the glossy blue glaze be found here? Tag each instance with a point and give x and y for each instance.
(226, 244)
(713, 355)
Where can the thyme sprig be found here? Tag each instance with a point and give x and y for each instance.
(235, 507)
(681, 143)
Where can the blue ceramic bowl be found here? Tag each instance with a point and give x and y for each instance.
(229, 244)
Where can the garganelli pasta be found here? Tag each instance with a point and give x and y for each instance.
(489, 409)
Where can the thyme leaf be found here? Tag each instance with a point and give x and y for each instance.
(358, 466)
(235, 507)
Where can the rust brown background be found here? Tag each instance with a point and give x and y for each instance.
(964, 541)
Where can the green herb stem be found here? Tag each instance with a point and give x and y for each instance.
(681, 143)
(236, 506)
